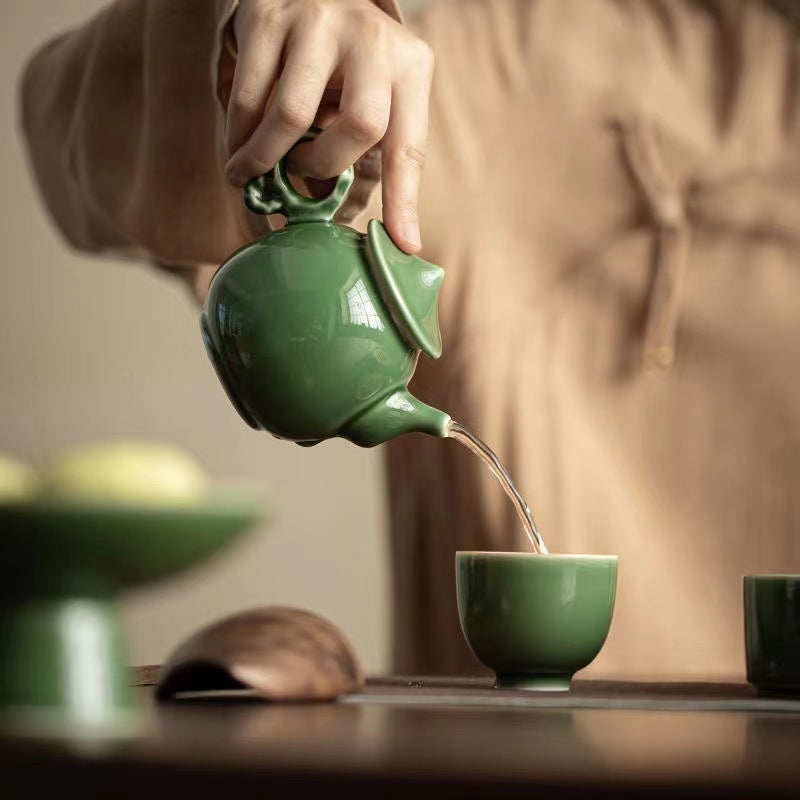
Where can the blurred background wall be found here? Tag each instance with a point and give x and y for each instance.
(93, 348)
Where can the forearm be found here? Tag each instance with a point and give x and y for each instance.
(122, 125)
(123, 119)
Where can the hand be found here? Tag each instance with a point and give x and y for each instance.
(294, 57)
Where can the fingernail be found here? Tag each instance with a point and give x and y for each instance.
(410, 231)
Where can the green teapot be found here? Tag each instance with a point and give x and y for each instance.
(314, 330)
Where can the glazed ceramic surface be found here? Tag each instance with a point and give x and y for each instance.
(772, 631)
(535, 619)
(62, 547)
(314, 330)
(61, 566)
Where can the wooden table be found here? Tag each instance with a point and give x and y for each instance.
(416, 739)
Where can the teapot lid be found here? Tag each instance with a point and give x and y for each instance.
(410, 286)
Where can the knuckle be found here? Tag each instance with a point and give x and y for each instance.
(245, 100)
(367, 124)
(423, 55)
(409, 156)
(316, 13)
(372, 28)
(419, 55)
(261, 16)
(294, 113)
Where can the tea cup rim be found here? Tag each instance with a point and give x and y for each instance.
(598, 556)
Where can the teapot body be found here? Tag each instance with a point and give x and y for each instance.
(314, 330)
(299, 333)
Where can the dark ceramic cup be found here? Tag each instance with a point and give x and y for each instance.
(535, 619)
(772, 631)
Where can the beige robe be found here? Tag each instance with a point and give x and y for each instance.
(614, 190)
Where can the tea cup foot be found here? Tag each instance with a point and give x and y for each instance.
(543, 682)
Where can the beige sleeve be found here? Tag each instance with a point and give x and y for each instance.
(123, 121)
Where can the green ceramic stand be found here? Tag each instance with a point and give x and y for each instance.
(62, 566)
(63, 665)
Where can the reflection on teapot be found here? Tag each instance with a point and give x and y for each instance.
(315, 329)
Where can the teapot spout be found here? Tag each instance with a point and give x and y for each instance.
(396, 414)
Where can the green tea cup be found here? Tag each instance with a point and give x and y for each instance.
(535, 620)
(772, 631)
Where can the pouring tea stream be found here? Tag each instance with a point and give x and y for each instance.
(315, 329)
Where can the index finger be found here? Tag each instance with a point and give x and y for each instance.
(403, 157)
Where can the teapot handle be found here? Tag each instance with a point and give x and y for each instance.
(272, 193)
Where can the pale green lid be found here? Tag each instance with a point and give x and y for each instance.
(410, 287)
